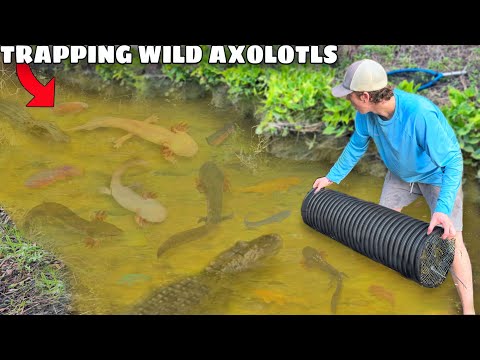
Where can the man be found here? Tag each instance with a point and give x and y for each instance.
(419, 149)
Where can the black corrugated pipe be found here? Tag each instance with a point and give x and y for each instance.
(391, 238)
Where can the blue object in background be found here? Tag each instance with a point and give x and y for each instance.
(436, 75)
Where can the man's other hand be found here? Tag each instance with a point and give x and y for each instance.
(439, 218)
(321, 183)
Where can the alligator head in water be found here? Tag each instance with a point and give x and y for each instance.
(190, 294)
(244, 255)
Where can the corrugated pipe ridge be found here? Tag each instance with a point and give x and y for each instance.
(384, 235)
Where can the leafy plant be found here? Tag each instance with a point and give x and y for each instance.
(128, 75)
(338, 116)
(463, 114)
(178, 73)
(408, 86)
(208, 75)
(294, 97)
(245, 81)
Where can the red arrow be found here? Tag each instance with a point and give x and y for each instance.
(43, 95)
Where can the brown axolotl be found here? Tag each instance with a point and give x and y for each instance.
(175, 141)
(93, 229)
(212, 182)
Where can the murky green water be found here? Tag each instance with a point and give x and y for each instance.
(118, 271)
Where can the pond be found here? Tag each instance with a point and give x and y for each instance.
(57, 195)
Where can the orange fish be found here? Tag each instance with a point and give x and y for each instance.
(269, 186)
(47, 177)
(74, 107)
(270, 296)
(381, 293)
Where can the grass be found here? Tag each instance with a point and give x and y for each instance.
(32, 281)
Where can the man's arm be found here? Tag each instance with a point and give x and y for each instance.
(356, 147)
(445, 153)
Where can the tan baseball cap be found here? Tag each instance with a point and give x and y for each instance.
(363, 75)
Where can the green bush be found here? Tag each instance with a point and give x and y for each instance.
(208, 75)
(245, 81)
(408, 86)
(463, 114)
(178, 73)
(127, 75)
(339, 116)
(294, 96)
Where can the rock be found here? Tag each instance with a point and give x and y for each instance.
(220, 98)
(155, 85)
(190, 90)
(326, 148)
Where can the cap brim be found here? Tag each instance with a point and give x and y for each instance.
(340, 91)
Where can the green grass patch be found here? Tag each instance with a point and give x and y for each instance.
(32, 281)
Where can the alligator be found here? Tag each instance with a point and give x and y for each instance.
(20, 118)
(189, 295)
(212, 182)
(313, 258)
(175, 141)
(96, 228)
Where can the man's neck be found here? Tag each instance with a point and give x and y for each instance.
(386, 109)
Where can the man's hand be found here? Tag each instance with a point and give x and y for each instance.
(439, 218)
(321, 183)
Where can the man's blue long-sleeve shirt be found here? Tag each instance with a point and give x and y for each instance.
(417, 144)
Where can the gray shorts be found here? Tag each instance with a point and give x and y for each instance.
(397, 193)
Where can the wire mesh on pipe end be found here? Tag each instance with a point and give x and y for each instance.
(435, 261)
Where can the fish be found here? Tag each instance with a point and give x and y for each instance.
(212, 183)
(191, 294)
(93, 229)
(269, 296)
(278, 217)
(50, 176)
(313, 259)
(184, 237)
(145, 207)
(381, 293)
(219, 136)
(73, 107)
(42, 129)
(270, 186)
(175, 141)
